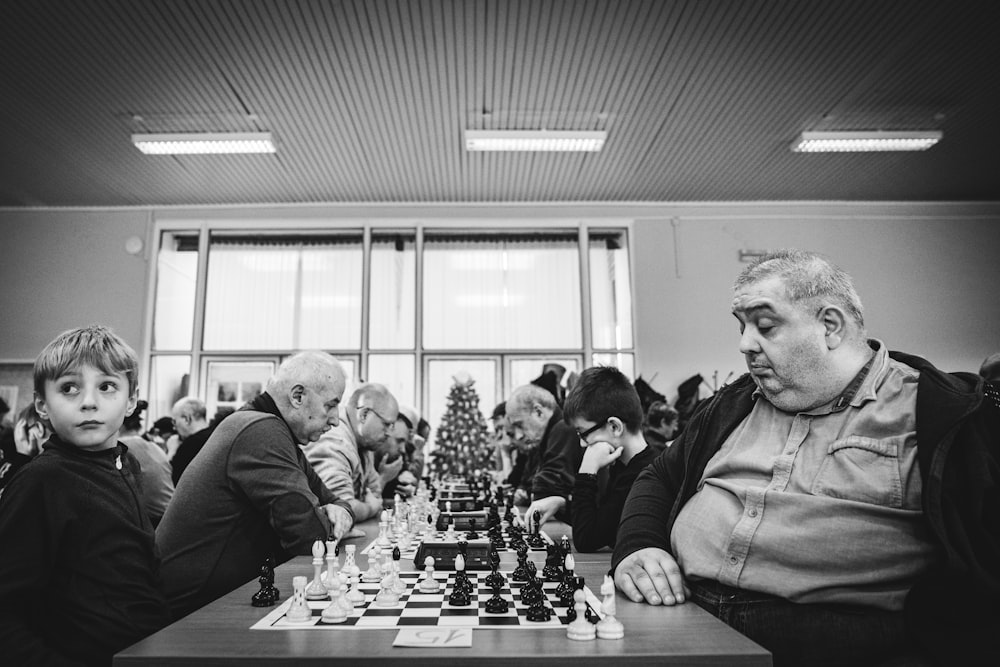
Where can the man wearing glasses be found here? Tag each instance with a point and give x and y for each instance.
(344, 457)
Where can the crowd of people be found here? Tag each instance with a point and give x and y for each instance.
(837, 504)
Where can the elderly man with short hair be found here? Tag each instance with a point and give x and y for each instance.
(250, 494)
(838, 504)
(536, 426)
(191, 423)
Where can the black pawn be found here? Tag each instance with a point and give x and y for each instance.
(497, 604)
(539, 613)
(472, 534)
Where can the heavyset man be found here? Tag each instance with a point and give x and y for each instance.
(840, 504)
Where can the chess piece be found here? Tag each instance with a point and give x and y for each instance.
(267, 595)
(374, 572)
(609, 627)
(565, 588)
(580, 628)
(398, 586)
(520, 572)
(298, 611)
(383, 533)
(350, 565)
(336, 611)
(386, 596)
(355, 595)
(316, 590)
(429, 584)
(459, 596)
(472, 534)
(497, 604)
(553, 563)
(539, 612)
(332, 566)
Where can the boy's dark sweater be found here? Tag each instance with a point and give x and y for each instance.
(595, 519)
(79, 574)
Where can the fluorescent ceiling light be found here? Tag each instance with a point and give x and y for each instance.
(859, 142)
(203, 143)
(534, 140)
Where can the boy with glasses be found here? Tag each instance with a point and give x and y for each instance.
(605, 410)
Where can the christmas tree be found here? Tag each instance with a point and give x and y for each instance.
(462, 443)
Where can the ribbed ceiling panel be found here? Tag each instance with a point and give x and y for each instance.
(368, 100)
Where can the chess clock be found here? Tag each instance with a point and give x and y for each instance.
(463, 520)
(444, 552)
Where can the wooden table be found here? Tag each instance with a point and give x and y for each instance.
(219, 634)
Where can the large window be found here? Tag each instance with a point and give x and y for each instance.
(409, 307)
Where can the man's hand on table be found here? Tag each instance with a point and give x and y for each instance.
(340, 519)
(546, 508)
(651, 575)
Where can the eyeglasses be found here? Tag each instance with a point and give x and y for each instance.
(583, 434)
(385, 422)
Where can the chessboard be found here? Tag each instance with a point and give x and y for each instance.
(507, 555)
(417, 609)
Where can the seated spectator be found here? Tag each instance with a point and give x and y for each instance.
(155, 486)
(660, 425)
(606, 413)
(189, 418)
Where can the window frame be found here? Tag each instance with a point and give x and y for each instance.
(238, 220)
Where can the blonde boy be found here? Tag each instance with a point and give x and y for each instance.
(78, 568)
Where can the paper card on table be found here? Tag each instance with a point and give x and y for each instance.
(434, 637)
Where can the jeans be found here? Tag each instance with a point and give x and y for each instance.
(808, 635)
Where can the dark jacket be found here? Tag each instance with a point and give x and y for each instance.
(79, 572)
(187, 450)
(951, 611)
(249, 495)
(595, 514)
(556, 459)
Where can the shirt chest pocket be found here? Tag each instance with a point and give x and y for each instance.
(861, 469)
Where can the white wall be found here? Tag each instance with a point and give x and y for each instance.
(69, 268)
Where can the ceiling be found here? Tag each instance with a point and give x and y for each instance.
(367, 100)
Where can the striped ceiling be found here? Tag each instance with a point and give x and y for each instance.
(368, 100)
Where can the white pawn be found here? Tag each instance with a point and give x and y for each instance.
(387, 597)
(374, 573)
(429, 584)
(298, 610)
(404, 542)
(338, 594)
(609, 627)
(580, 628)
(316, 590)
(336, 612)
(355, 595)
